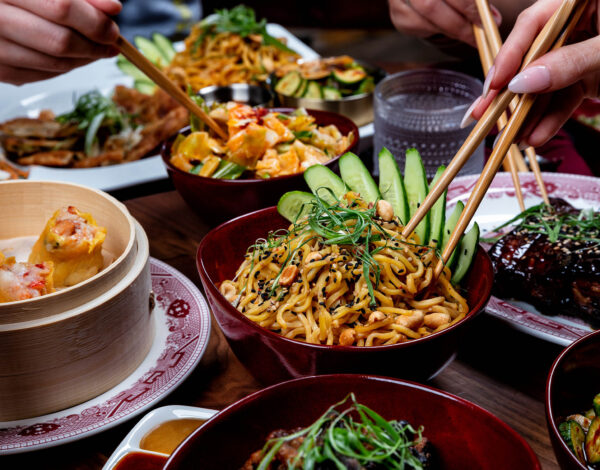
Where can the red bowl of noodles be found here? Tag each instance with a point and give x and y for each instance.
(220, 199)
(461, 434)
(273, 358)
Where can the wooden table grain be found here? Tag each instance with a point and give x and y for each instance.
(497, 367)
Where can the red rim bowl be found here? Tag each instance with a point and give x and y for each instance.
(272, 358)
(464, 435)
(219, 199)
(573, 382)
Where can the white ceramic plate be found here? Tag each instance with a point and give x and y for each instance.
(131, 443)
(182, 329)
(57, 94)
(500, 205)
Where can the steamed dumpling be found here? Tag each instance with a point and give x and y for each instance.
(22, 281)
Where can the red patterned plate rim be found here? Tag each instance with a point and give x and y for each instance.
(182, 329)
(577, 189)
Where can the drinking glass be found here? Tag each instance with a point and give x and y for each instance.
(423, 109)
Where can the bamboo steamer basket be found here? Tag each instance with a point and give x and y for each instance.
(65, 348)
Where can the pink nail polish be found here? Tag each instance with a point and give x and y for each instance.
(467, 118)
(488, 81)
(531, 80)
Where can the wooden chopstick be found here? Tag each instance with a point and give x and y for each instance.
(541, 45)
(158, 77)
(495, 42)
(510, 163)
(504, 142)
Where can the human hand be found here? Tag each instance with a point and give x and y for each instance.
(563, 78)
(452, 18)
(43, 38)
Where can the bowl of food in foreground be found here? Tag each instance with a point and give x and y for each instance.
(339, 290)
(265, 155)
(428, 429)
(573, 404)
(72, 261)
(338, 84)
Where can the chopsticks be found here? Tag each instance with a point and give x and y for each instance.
(514, 156)
(548, 35)
(494, 42)
(158, 77)
(541, 45)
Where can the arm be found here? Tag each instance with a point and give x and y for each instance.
(43, 38)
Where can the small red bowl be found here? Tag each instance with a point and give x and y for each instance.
(464, 435)
(573, 382)
(272, 358)
(220, 200)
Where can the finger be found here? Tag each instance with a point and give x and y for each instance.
(22, 57)
(529, 23)
(467, 9)
(562, 105)
(559, 69)
(76, 14)
(534, 117)
(448, 21)
(408, 21)
(110, 7)
(31, 31)
(19, 76)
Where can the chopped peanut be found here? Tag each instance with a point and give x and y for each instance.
(376, 316)
(229, 291)
(347, 337)
(385, 210)
(288, 276)
(435, 320)
(413, 321)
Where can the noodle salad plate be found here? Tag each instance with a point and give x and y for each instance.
(181, 334)
(499, 206)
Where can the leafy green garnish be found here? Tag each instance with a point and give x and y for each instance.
(92, 112)
(228, 170)
(238, 20)
(303, 135)
(357, 433)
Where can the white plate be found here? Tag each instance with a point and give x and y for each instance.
(131, 443)
(182, 329)
(500, 205)
(57, 94)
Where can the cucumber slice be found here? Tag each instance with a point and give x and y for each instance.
(144, 86)
(165, 46)
(295, 204)
(349, 76)
(592, 442)
(289, 84)
(437, 213)
(301, 89)
(415, 182)
(466, 254)
(391, 185)
(449, 228)
(150, 50)
(596, 403)
(129, 69)
(323, 182)
(313, 90)
(366, 86)
(357, 177)
(574, 437)
(330, 93)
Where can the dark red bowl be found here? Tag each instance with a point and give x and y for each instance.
(573, 382)
(272, 358)
(220, 200)
(464, 435)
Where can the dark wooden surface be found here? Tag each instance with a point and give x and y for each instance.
(497, 367)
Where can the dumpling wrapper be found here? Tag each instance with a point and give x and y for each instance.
(22, 281)
(73, 242)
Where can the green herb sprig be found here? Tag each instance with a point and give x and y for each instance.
(356, 432)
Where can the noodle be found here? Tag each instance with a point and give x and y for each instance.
(303, 285)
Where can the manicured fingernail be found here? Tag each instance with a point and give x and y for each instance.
(531, 80)
(467, 118)
(523, 146)
(496, 14)
(488, 81)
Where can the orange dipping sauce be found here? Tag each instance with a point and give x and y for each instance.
(168, 435)
(141, 461)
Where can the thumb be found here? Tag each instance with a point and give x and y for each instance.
(109, 7)
(559, 69)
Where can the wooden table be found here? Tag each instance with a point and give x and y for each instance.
(497, 367)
